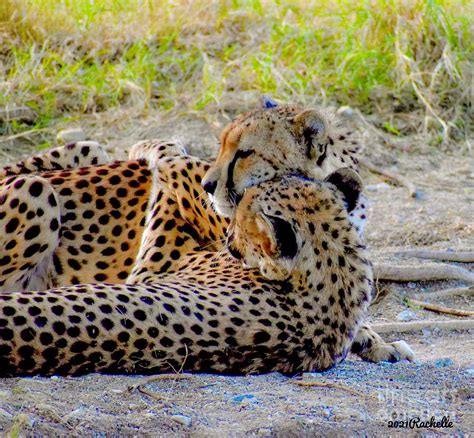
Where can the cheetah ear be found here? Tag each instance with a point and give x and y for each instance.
(349, 183)
(267, 102)
(312, 126)
(278, 236)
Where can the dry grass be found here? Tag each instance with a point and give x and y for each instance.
(409, 63)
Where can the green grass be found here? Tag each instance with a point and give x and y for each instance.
(70, 57)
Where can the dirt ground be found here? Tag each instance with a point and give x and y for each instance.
(360, 398)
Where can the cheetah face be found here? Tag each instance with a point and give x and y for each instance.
(271, 142)
(277, 223)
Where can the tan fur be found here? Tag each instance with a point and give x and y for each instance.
(211, 315)
(281, 141)
(163, 212)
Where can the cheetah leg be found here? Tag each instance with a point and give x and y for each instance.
(154, 150)
(179, 222)
(358, 215)
(165, 239)
(29, 233)
(79, 154)
(371, 347)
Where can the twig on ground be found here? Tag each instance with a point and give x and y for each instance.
(332, 386)
(415, 326)
(140, 386)
(450, 256)
(151, 379)
(445, 293)
(382, 290)
(427, 272)
(395, 177)
(152, 394)
(159, 397)
(438, 309)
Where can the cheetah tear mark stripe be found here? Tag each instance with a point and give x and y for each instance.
(230, 173)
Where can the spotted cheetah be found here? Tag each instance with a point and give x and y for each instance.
(275, 141)
(95, 224)
(298, 306)
(84, 225)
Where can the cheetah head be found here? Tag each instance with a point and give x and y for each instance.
(290, 224)
(273, 141)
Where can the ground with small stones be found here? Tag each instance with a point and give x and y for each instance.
(361, 399)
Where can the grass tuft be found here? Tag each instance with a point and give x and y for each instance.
(409, 63)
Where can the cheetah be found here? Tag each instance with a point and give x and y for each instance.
(274, 141)
(78, 154)
(85, 224)
(298, 306)
(96, 223)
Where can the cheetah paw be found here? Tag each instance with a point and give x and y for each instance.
(397, 351)
(389, 352)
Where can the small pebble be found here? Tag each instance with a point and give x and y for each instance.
(71, 135)
(444, 362)
(406, 315)
(54, 378)
(326, 413)
(426, 332)
(241, 397)
(182, 419)
(419, 195)
(380, 187)
(346, 111)
(263, 431)
(76, 413)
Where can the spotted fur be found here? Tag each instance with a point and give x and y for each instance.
(292, 311)
(120, 221)
(85, 225)
(79, 154)
(276, 141)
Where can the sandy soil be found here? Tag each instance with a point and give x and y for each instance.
(365, 396)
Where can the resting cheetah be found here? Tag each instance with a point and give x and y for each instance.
(298, 308)
(96, 224)
(85, 225)
(276, 141)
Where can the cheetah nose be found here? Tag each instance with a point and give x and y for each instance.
(210, 187)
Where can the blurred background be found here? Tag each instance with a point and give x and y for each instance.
(407, 65)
